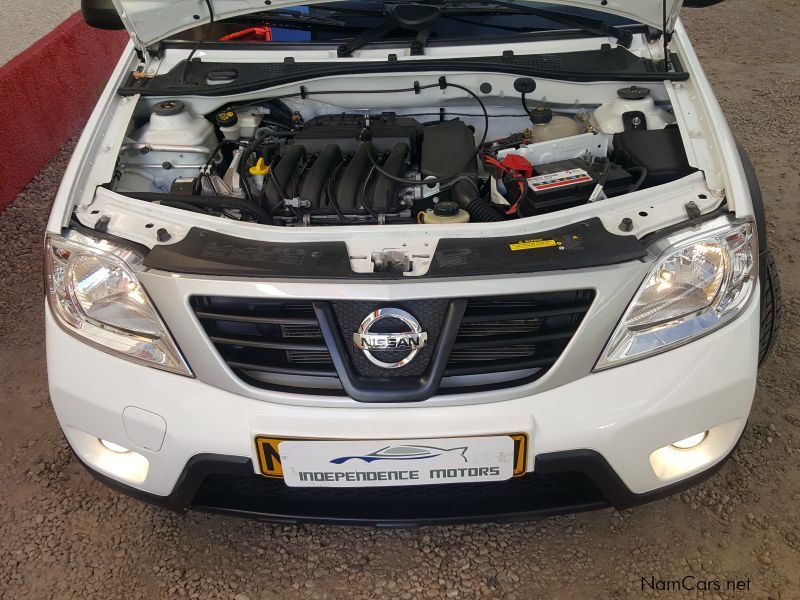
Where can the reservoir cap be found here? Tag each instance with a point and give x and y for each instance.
(541, 115)
(445, 208)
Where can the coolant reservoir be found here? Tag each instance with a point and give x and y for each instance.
(445, 212)
(171, 124)
(545, 126)
(633, 104)
(171, 145)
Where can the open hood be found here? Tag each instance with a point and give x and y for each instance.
(149, 21)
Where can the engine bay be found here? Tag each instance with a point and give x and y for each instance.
(284, 161)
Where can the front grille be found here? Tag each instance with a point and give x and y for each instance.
(265, 336)
(519, 333)
(501, 341)
(526, 495)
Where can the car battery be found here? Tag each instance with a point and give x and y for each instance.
(569, 183)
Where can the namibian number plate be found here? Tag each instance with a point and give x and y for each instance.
(359, 463)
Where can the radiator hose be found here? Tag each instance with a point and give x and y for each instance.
(480, 211)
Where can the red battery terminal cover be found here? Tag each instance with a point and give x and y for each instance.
(515, 162)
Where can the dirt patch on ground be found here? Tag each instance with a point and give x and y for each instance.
(63, 535)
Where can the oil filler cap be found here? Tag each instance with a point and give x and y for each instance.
(446, 208)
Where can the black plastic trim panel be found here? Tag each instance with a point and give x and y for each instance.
(398, 506)
(584, 244)
(204, 252)
(611, 64)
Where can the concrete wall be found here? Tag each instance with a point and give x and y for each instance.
(49, 85)
(22, 22)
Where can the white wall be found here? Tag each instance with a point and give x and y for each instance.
(22, 22)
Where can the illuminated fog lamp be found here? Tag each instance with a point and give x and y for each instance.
(119, 462)
(114, 447)
(691, 441)
(684, 456)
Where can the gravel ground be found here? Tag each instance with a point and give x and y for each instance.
(63, 535)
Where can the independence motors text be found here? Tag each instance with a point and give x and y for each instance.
(400, 475)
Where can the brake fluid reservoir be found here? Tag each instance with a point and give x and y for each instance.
(445, 212)
(545, 126)
(634, 107)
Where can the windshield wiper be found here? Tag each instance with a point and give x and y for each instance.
(415, 17)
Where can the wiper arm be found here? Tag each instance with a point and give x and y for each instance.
(415, 17)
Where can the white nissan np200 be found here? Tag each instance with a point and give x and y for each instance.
(403, 262)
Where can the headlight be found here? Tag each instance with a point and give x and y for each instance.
(701, 280)
(94, 294)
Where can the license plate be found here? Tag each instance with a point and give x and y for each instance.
(375, 463)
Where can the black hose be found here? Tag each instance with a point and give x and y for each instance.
(642, 176)
(214, 202)
(184, 206)
(248, 194)
(466, 195)
(332, 200)
(363, 195)
(482, 212)
(525, 104)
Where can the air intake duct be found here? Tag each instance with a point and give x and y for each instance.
(480, 211)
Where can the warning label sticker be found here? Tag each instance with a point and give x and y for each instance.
(533, 244)
(541, 183)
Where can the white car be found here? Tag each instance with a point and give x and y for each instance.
(405, 262)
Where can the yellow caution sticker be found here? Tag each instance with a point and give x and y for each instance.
(533, 244)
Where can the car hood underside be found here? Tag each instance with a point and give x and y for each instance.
(149, 21)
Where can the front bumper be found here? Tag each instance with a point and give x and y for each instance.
(591, 440)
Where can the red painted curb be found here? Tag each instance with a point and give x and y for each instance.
(46, 94)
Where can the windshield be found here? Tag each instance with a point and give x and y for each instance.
(338, 21)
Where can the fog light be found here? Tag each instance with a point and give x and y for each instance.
(691, 441)
(694, 453)
(114, 447)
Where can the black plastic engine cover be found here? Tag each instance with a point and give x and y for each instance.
(348, 131)
(448, 148)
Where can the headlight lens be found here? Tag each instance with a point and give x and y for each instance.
(700, 281)
(94, 294)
